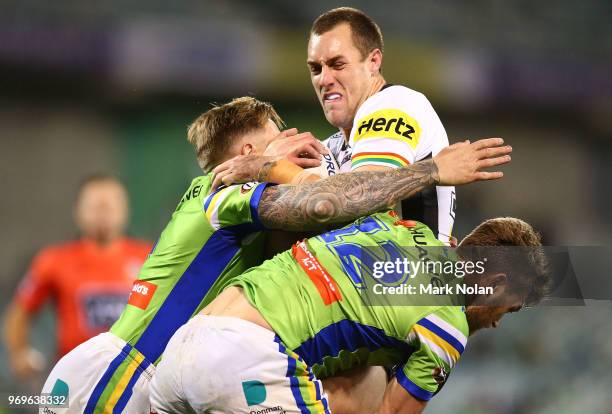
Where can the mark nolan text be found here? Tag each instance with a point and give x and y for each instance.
(460, 289)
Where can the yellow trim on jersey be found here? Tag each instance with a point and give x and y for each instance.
(389, 124)
(213, 203)
(448, 348)
(304, 381)
(122, 383)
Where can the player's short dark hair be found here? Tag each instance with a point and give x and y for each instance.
(365, 32)
(513, 247)
(214, 132)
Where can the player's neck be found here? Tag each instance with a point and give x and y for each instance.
(375, 86)
(377, 83)
(347, 134)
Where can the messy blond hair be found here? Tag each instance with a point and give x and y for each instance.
(213, 133)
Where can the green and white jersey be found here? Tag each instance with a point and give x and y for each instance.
(317, 307)
(209, 240)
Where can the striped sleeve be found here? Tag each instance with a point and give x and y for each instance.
(235, 205)
(439, 340)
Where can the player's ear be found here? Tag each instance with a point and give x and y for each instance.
(375, 61)
(247, 149)
(499, 283)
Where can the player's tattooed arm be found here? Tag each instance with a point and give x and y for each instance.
(343, 197)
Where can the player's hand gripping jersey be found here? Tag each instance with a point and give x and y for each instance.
(209, 240)
(393, 128)
(312, 298)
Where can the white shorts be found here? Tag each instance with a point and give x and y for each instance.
(218, 364)
(103, 373)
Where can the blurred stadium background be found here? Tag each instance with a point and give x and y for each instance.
(111, 86)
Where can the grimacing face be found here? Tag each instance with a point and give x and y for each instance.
(340, 76)
(102, 210)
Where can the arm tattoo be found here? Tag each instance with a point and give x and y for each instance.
(343, 197)
(265, 170)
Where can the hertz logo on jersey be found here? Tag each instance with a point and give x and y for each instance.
(391, 124)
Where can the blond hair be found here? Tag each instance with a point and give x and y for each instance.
(213, 133)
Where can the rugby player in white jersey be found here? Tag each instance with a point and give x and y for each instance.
(380, 125)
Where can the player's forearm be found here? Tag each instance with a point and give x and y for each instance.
(343, 197)
(284, 171)
(413, 406)
(16, 328)
(398, 401)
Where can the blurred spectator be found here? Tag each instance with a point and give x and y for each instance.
(88, 279)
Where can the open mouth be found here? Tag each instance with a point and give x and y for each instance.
(331, 97)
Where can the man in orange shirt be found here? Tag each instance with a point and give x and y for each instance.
(89, 279)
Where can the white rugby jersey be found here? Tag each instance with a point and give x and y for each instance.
(395, 127)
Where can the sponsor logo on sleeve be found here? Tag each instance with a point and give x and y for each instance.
(389, 123)
(142, 292)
